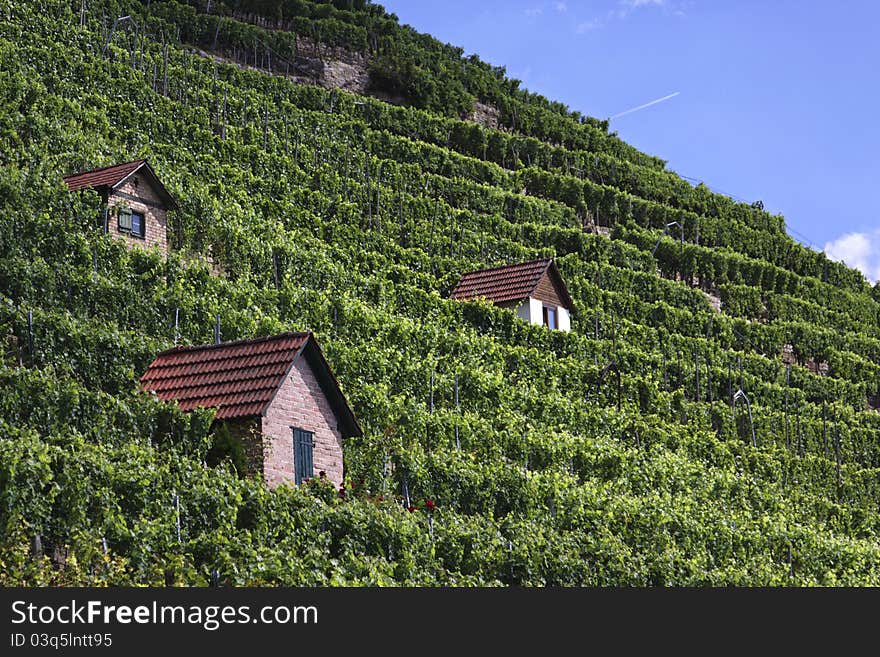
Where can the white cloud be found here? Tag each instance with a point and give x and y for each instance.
(588, 26)
(534, 11)
(561, 7)
(623, 9)
(858, 250)
(627, 7)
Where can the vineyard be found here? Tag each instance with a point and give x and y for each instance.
(711, 419)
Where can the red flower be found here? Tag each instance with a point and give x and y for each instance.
(413, 508)
(429, 504)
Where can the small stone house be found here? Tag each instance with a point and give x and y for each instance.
(534, 290)
(276, 394)
(136, 203)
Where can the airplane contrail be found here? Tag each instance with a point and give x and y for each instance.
(640, 107)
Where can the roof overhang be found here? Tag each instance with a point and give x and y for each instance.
(146, 169)
(559, 284)
(314, 355)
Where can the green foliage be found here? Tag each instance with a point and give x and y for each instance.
(227, 447)
(354, 218)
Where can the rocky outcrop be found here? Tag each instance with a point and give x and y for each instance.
(486, 115)
(337, 74)
(332, 68)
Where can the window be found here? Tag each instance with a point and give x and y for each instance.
(303, 445)
(132, 222)
(550, 317)
(124, 220)
(138, 224)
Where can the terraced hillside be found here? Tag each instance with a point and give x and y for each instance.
(611, 455)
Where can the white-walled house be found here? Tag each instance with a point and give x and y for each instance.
(534, 290)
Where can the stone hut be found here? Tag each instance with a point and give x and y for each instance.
(276, 394)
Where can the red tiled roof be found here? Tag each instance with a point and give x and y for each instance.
(105, 177)
(239, 378)
(506, 283)
(112, 176)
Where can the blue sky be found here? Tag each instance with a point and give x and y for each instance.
(778, 101)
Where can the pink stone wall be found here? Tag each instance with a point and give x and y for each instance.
(301, 403)
(155, 216)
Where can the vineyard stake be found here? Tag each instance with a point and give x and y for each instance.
(800, 444)
(177, 514)
(824, 430)
(406, 490)
(837, 458)
(741, 395)
(665, 376)
(709, 378)
(665, 231)
(457, 410)
(217, 32)
(787, 433)
(612, 366)
(729, 380)
(613, 334)
(30, 323)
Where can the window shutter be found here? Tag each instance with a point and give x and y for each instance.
(138, 223)
(124, 219)
(303, 446)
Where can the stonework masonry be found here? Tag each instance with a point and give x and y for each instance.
(138, 194)
(301, 403)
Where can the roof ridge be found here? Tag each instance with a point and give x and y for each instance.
(142, 160)
(243, 377)
(546, 261)
(509, 283)
(179, 349)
